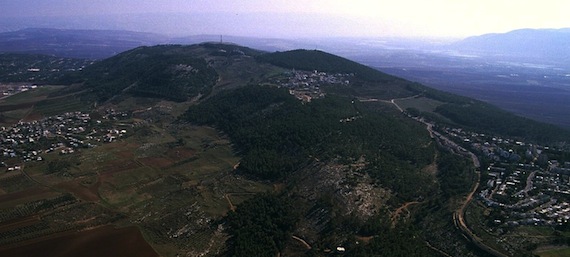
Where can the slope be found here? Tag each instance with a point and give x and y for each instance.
(161, 71)
(335, 166)
(370, 84)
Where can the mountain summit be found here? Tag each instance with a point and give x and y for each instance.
(527, 44)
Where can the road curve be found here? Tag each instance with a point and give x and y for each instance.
(459, 215)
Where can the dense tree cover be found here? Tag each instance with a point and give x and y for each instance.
(402, 178)
(401, 241)
(486, 118)
(437, 94)
(454, 174)
(275, 133)
(159, 71)
(321, 61)
(261, 225)
(490, 119)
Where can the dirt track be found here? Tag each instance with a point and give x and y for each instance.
(396, 214)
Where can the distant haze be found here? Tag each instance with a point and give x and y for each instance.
(290, 19)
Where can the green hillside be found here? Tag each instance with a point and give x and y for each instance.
(276, 134)
(462, 111)
(221, 150)
(486, 118)
(167, 72)
(178, 73)
(280, 139)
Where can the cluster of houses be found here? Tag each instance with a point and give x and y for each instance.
(65, 133)
(522, 181)
(12, 89)
(306, 85)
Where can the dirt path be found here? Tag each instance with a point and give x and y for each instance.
(396, 214)
(364, 239)
(232, 206)
(393, 101)
(432, 167)
(308, 246)
(437, 250)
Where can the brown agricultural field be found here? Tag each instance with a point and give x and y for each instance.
(102, 241)
(89, 194)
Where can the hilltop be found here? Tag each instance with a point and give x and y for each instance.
(532, 45)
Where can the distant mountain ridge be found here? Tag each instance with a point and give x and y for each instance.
(101, 44)
(89, 44)
(546, 44)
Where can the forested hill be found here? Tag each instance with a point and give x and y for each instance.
(170, 72)
(343, 170)
(454, 110)
(282, 140)
(179, 73)
(480, 116)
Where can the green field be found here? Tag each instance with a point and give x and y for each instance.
(421, 103)
(32, 95)
(50, 107)
(37, 103)
(564, 252)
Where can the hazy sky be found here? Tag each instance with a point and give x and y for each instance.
(287, 18)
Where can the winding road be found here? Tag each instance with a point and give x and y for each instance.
(458, 215)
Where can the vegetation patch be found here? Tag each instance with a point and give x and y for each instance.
(553, 252)
(159, 72)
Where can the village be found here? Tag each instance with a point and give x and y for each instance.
(306, 85)
(524, 183)
(64, 134)
(14, 88)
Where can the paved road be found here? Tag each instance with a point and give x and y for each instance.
(459, 215)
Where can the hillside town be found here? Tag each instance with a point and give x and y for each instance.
(65, 134)
(306, 85)
(14, 88)
(524, 183)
